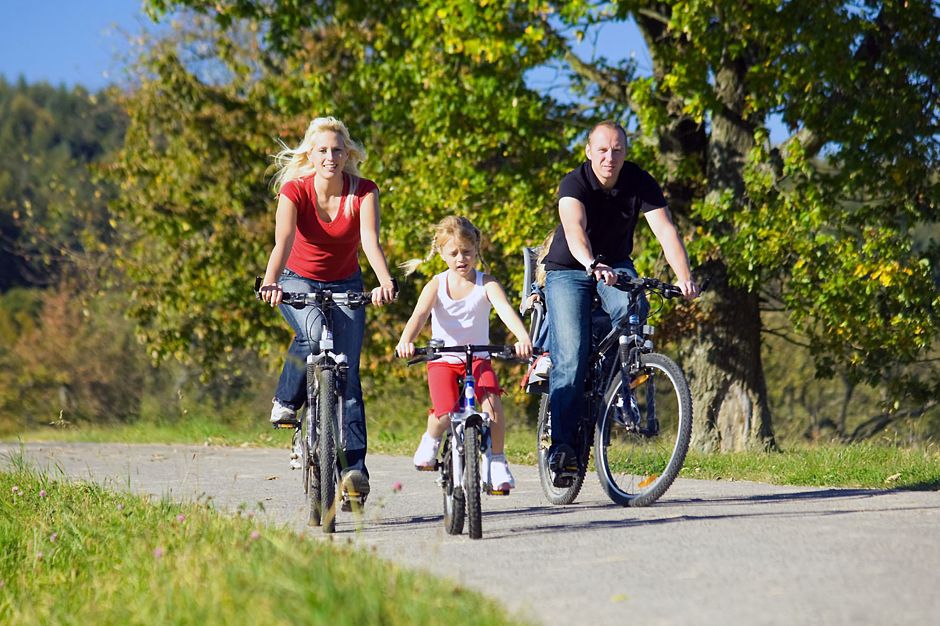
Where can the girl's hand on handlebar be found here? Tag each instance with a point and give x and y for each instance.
(271, 293)
(523, 349)
(405, 350)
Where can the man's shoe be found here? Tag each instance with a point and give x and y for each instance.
(563, 462)
(355, 489)
(281, 414)
(425, 458)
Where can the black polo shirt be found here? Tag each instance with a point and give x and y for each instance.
(611, 214)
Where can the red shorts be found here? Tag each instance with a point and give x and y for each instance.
(442, 382)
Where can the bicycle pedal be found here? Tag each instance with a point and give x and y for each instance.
(564, 479)
(346, 503)
(428, 468)
(285, 425)
(497, 492)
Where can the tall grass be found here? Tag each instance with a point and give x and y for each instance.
(74, 553)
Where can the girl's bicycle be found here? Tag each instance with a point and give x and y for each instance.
(322, 432)
(638, 412)
(467, 438)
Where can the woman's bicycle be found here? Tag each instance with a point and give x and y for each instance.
(467, 438)
(638, 413)
(322, 432)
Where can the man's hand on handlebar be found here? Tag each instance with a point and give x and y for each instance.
(690, 289)
(604, 272)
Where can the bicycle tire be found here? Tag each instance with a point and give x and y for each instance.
(326, 410)
(454, 503)
(555, 495)
(472, 487)
(311, 476)
(637, 462)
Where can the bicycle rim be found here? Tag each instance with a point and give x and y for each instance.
(453, 496)
(639, 448)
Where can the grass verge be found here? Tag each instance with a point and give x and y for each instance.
(75, 553)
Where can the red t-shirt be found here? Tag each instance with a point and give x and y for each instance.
(325, 251)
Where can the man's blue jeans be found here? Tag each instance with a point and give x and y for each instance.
(569, 297)
(348, 330)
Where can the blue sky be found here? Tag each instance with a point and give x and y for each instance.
(71, 42)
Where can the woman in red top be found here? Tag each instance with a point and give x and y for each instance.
(325, 210)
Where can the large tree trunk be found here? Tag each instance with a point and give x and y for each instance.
(723, 364)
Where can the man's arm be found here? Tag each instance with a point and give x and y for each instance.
(660, 221)
(573, 217)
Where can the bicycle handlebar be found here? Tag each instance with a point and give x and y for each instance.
(353, 299)
(629, 283)
(431, 353)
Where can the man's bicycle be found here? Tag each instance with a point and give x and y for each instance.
(466, 440)
(322, 432)
(638, 412)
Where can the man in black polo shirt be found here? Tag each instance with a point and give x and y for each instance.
(599, 205)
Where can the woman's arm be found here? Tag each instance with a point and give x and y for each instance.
(369, 234)
(419, 317)
(507, 313)
(285, 225)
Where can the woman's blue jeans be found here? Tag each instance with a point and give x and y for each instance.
(348, 331)
(569, 296)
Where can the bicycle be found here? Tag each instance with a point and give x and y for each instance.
(638, 415)
(322, 432)
(460, 476)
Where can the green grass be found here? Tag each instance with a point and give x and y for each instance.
(75, 553)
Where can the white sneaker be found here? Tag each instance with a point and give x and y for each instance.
(297, 451)
(426, 455)
(281, 413)
(496, 474)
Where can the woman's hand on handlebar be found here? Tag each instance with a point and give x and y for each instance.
(384, 293)
(523, 349)
(271, 293)
(690, 290)
(405, 349)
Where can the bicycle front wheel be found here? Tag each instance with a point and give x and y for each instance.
(472, 488)
(642, 435)
(311, 473)
(326, 410)
(454, 504)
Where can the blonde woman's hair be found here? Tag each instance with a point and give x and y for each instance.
(293, 163)
(540, 274)
(460, 229)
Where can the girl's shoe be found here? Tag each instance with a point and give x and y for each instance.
(496, 473)
(425, 458)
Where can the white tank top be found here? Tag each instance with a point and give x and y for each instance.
(463, 321)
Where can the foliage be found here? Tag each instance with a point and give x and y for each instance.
(821, 225)
(53, 210)
(76, 553)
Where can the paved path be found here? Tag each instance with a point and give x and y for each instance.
(710, 552)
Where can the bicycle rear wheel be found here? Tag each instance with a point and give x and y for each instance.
(454, 502)
(472, 488)
(642, 436)
(555, 495)
(326, 409)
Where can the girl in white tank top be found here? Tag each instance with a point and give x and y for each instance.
(458, 301)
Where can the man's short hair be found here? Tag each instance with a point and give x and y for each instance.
(612, 125)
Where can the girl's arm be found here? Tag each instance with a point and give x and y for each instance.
(419, 317)
(508, 314)
(285, 225)
(369, 234)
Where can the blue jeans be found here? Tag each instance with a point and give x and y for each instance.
(348, 330)
(569, 297)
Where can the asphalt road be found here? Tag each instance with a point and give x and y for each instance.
(710, 552)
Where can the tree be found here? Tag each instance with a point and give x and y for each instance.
(819, 226)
